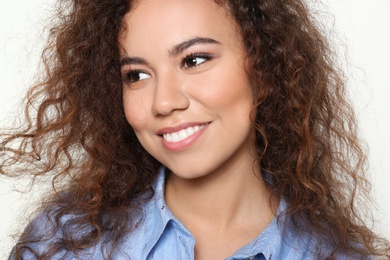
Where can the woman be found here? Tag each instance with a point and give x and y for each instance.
(192, 129)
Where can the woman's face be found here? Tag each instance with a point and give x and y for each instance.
(185, 91)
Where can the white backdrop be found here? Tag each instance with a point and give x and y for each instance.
(363, 26)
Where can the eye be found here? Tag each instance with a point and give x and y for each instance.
(135, 76)
(194, 60)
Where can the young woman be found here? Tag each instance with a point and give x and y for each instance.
(183, 129)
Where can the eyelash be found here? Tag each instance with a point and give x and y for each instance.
(193, 56)
(127, 77)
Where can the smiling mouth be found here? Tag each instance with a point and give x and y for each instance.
(182, 134)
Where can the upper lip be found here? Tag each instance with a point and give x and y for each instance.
(177, 128)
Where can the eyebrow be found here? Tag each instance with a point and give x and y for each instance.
(132, 60)
(176, 50)
(179, 48)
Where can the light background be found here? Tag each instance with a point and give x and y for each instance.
(362, 29)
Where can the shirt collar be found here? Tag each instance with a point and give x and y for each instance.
(269, 242)
(157, 214)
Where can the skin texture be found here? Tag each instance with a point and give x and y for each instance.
(216, 92)
(215, 184)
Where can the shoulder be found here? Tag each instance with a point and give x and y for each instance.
(298, 244)
(46, 238)
(41, 233)
(49, 235)
(292, 238)
(305, 245)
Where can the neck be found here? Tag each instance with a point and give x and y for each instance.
(230, 197)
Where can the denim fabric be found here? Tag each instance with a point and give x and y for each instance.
(160, 235)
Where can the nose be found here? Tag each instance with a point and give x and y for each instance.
(169, 94)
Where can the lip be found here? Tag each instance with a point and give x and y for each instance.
(168, 130)
(186, 143)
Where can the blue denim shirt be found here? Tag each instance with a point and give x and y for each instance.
(163, 236)
(160, 235)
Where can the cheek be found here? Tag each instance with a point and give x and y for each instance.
(228, 91)
(135, 110)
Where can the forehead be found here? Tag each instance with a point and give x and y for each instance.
(168, 8)
(157, 22)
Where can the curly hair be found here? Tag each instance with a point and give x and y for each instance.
(77, 133)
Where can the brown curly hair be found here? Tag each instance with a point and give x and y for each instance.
(77, 134)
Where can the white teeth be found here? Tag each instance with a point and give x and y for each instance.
(182, 134)
(175, 137)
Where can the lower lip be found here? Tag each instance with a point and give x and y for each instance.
(184, 144)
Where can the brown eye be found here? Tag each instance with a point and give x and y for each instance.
(135, 76)
(194, 60)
